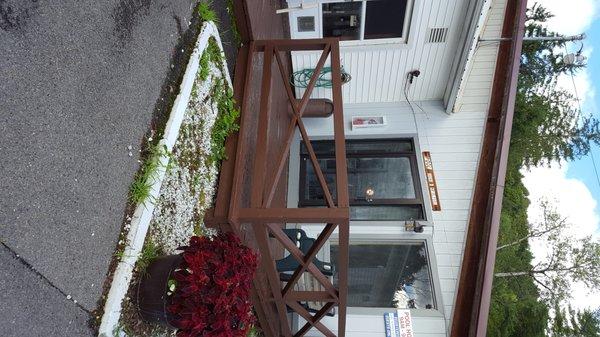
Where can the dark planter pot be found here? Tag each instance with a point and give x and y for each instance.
(152, 290)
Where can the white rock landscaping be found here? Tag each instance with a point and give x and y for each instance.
(184, 184)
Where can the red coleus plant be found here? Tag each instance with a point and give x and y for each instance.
(212, 288)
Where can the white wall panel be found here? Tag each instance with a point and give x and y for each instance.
(453, 140)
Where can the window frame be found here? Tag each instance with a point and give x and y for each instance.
(362, 235)
(362, 41)
(415, 168)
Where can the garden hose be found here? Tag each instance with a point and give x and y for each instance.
(300, 78)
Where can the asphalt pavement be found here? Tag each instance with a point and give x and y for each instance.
(79, 81)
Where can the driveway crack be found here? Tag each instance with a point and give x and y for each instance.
(17, 257)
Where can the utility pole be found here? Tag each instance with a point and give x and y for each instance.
(577, 37)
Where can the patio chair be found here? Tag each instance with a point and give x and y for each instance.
(289, 263)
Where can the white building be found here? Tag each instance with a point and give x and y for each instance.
(457, 111)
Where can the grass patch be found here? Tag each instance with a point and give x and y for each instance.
(149, 253)
(141, 186)
(206, 13)
(120, 254)
(122, 328)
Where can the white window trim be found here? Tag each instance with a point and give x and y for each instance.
(362, 41)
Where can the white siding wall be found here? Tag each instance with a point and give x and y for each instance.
(379, 70)
(454, 142)
(455, 145)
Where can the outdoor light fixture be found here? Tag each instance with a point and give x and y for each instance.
(369, 193)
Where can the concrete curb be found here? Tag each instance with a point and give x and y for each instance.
(143, 212)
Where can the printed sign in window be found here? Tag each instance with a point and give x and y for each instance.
(398, 324)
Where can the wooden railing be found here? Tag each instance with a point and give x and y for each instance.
(267, 221)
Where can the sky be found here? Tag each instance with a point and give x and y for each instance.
(573, 187)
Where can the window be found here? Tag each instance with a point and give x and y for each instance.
(389, 276)
(366, 19)
(383, 180)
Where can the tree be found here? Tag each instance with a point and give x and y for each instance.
(552, 223)
(548, 126)
(569, 260)
(570, 323)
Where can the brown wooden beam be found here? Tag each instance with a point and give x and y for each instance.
(268, 264)
(309, 257)
(342, 185)
(293, 215)
(264, 116)
(309, 296)
(298, 255)
(312, 321)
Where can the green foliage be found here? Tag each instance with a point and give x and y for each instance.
(206, 13)
(150, 251)
(254, 332)
(120, 254)
(237, 37)
(122, 328)
(213, 54)
(222, 95)
(140, 188)
(226, 122)
(515, 308)
(568, 322)
(547, 128)
(204, 67)
(547, 125)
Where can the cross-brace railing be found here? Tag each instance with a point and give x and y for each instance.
(267, 221)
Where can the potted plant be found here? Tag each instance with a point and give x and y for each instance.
(204, 291)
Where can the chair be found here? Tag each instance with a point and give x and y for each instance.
(289, 263)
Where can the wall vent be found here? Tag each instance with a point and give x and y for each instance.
(437, 35)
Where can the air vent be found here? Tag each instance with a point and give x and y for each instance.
(437, 35)
(306, 23)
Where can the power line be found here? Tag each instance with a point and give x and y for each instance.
(589, 144)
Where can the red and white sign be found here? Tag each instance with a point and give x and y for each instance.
(405, 323)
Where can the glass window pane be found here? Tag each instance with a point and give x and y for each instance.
(368, 178)
(313, 189)
(383, 178)
(385, 19)
(383, 213)
(342, 19)
(388, 276)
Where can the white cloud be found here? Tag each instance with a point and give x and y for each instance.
(570, 196)
(570, 17)
(574, 201)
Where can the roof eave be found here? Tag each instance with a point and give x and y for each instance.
(475, 284)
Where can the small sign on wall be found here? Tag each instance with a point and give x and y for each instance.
(398, 324)
(360, 122)
(431, 183)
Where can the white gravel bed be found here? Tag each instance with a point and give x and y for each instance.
(189, 184)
